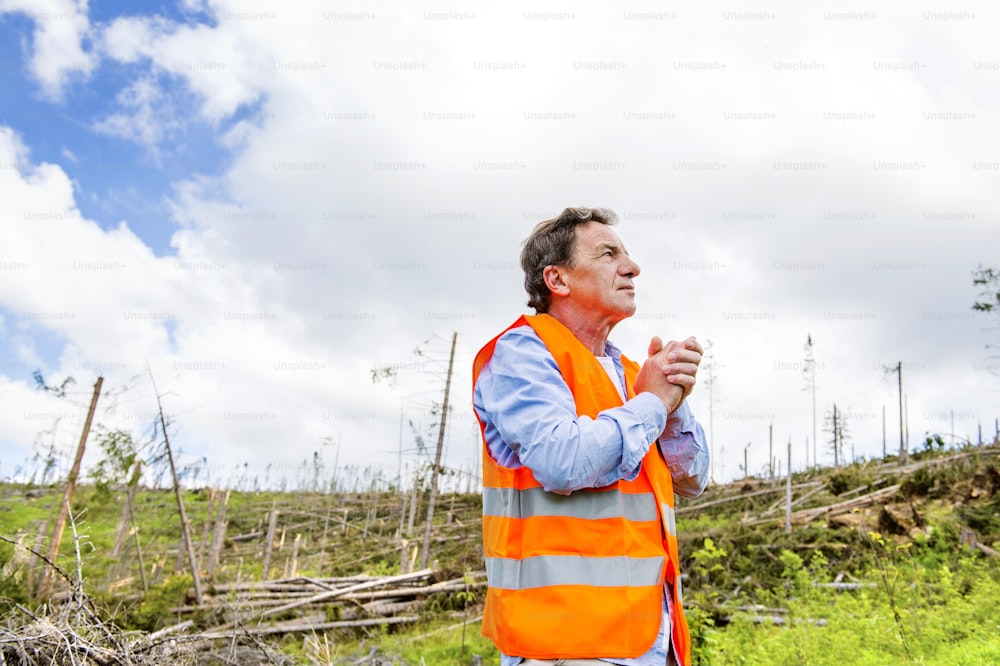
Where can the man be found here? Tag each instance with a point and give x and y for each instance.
(578, 522)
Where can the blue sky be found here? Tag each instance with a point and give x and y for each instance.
(116, 178)
(262, 205)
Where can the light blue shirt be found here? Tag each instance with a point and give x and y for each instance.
(530, 419)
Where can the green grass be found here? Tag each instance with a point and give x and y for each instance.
(945, 593)
(946, 616)
(444, 646)
(436, 641)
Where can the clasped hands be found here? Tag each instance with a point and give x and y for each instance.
(669, 372)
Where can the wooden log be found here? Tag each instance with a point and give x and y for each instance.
(229, 633)
(63, 508)
(293, 567)
(123, 532)
(272, 523)
(325, 583)
(332, 594)
(842, 507)
(861, 489)
(326, 529)
(455, 585)
(167, 631)
(382, 609)
(767, 491)
(808, 515)
(401, 536)
(207, 527)
(218, 536)
(774, 507)
(249, 536)
(178, 495)
(263, 599)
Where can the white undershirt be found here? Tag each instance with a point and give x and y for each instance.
(608, 363)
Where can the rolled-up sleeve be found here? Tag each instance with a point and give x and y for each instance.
(530, 419)
(686, 452)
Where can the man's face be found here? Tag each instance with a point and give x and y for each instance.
(600, 278)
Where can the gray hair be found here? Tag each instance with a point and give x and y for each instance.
(551, 243)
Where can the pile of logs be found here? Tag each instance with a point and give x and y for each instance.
(323, 603)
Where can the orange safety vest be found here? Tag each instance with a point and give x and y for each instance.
(581, 575)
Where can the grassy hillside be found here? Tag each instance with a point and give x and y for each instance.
(892, 563)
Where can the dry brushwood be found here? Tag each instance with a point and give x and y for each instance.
(71, 630)
(70, 633)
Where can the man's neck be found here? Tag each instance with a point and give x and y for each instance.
(594, 336)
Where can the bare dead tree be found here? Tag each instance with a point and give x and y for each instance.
(185, 526)
(809, 371)
(64, 505)
(437, 456)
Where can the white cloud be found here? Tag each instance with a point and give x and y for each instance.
(148, 119)
(775, 177)
(221, 64)
(226, 350)
(127, 39)
(57, 42)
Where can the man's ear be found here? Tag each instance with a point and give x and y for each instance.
(555, 280)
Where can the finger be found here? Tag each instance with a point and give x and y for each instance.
(672, 348)
(655, 345)
(693, 344)
(682, 380)
(681, 369)
(684, 356)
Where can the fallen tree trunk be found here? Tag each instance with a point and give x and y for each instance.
(732, 498)
(267, 599)
(333, 594)
(808, 515)
(293, 627)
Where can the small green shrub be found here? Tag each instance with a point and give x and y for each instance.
(847, 478)
(155, 610)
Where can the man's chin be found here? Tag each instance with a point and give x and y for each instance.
(627, 312)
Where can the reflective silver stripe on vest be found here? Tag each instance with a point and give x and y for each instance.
(669, 521)
(547, 570)
(588, 505)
